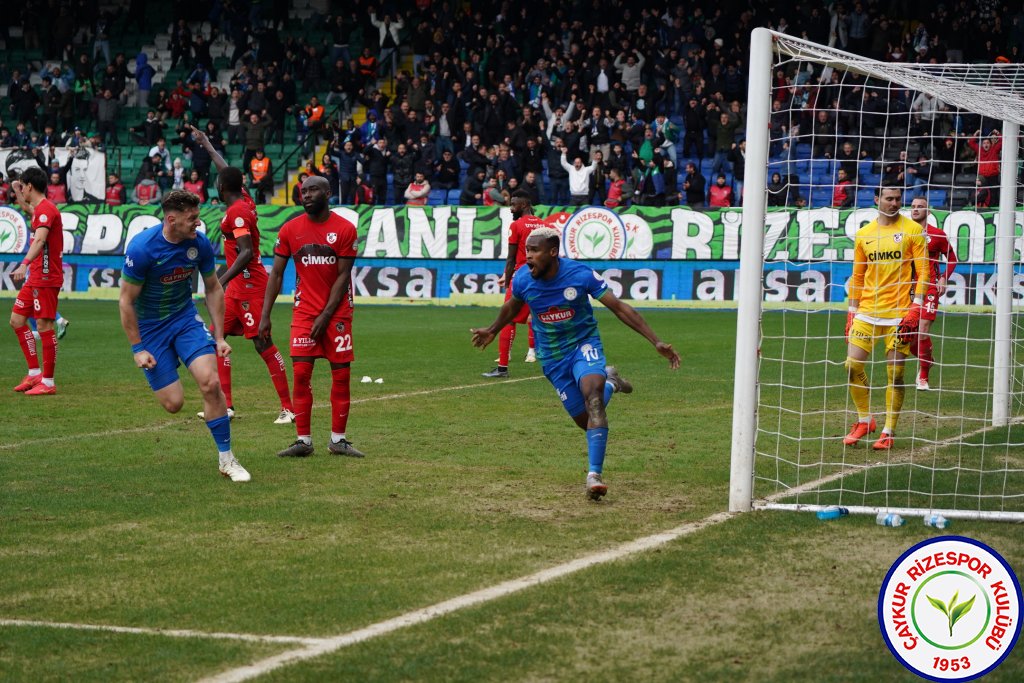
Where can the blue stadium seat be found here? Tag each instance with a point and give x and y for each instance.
(821, 196)
(802, 166)
(437, 197)
(803, 150)
(453, 196)
(865, 198)
(821, 169)
(937, 198)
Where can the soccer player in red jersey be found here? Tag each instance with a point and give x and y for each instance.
(938, 247)
(323, 246)
(245, 280)
(525, 223)
(38, 296)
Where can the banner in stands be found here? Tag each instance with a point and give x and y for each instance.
(86, 177)
(646, 254)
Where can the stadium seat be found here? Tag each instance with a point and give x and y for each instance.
(821, 196)
(937, 198)
(865, 198)
(821, 169)
(437, 197)
(453, 196)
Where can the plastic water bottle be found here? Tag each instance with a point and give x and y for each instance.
(937, 521)
(889, 519)
(832, 512)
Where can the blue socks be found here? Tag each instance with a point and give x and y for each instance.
(597, 443)
(221, 431)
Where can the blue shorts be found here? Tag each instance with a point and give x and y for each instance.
(184, 336)
(565, 374)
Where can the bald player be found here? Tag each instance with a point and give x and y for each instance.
(323, 246)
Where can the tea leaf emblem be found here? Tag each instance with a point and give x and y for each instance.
(953, 611)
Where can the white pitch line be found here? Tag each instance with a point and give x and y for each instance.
(164, 425)
(174, 633)
(329, 645)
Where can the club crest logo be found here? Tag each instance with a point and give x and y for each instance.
(332, 237)
(594, 233)
(897, 238)
(570, 294)
(245, 305)
(192, 253)
(13, 231)
(340, 326)
(239, 222)
(949, 609)
(43, 218)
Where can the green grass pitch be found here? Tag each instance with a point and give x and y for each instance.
(112, 512)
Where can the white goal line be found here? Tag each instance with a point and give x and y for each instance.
(772, 501)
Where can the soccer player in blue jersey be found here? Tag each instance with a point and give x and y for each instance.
(558, 292)
(162, 323)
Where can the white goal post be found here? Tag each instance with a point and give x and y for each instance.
(960, 450)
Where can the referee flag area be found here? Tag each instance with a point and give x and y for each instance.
(461, 548)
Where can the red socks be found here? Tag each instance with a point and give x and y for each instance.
(302, 400)
(224, 371)
(49, 342)
(340, 399)
(28, 346)
(505, 339)
(275, 364)
(924, 353)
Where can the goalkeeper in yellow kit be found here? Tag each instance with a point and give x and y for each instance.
(885, 293)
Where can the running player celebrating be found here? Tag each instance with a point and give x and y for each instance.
(558, 291)
(885, 252)
(525, 223)
(38, 296)
(162, 323)
(245, 280)
(938, 247)
(323, 246)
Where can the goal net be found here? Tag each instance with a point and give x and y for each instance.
(825, 129)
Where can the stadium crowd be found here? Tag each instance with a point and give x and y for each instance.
(593, 102)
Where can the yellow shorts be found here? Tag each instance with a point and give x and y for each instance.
(865, 335)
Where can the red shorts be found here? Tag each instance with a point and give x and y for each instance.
(37, 302)
(523, 316)
(242, 317)
(335, 344)
(930, 309)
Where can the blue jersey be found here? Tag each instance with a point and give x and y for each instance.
(165, 272)
(561, 310)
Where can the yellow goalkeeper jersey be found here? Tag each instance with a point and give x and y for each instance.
(889, 262)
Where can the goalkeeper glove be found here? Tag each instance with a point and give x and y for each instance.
(850, 315)
(908, 326)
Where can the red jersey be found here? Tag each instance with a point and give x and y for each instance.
(939, 247)
(316, 248)
(519, 231)
(48, 268)
(238, 221)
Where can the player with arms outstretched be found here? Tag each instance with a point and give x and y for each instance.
(523, 224)
(37, 298)
(938, 248)
(163, 325)
(323, 246)
(558, 292)
(244, 281)
(887, 252)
